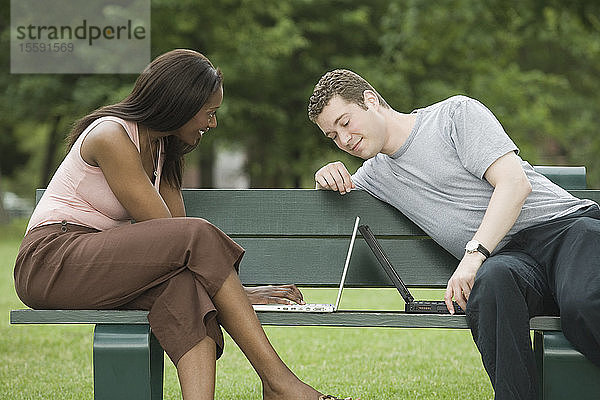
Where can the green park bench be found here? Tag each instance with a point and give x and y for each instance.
(301, 236)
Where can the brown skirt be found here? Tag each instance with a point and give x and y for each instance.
(171, 267)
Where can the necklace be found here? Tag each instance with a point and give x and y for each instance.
(154, 166)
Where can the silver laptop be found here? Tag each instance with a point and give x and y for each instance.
(322, 308)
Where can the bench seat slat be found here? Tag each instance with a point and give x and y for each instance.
(389, 319)
(29, 316)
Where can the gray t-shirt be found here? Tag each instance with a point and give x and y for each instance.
(436, 177)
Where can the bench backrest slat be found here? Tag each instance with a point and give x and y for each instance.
(301, 236)
(294, 212)
(319, 262)
(567, 177)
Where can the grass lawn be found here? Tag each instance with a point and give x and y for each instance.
(55, 362)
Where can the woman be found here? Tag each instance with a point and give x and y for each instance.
(81, 251)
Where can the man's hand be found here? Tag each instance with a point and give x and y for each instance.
(334, 176)
(283, 294)
(461, 282)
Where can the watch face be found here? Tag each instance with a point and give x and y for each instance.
(471, 246)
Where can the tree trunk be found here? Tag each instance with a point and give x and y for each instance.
(3, 213)
(206, 165)
(51, 146)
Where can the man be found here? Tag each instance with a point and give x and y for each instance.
(526, 246)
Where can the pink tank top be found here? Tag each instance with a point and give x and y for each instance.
(78, 192)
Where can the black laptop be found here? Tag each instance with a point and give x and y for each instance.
(411, 306)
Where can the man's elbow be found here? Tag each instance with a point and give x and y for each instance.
(524, 186)
(518, 186)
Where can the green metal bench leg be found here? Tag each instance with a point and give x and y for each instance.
(564, 372)
(128, 363)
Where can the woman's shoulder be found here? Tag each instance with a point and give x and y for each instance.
(114, 123)
(109, 135)
(107, 129)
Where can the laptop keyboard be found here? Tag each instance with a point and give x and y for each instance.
(431, 307)
(294, 307)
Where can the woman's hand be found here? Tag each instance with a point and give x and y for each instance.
(282, 294)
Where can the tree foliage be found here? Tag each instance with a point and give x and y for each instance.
(533, 63)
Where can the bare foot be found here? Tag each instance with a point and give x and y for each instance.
(296, 391)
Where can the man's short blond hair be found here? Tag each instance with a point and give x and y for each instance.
(341, 82)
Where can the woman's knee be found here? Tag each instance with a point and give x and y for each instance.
(185, 225)
(184, 232)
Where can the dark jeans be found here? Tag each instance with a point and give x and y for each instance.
(548, 269)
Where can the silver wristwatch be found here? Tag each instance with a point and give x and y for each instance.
(474, 246)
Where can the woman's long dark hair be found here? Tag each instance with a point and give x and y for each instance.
(166, 95)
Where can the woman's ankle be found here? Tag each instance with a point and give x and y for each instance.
(295, 389)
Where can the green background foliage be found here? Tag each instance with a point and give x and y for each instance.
(533, 63)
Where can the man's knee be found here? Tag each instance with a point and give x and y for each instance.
(493, 274)
(487, 286)
(580, 322)
(501, 279)
(585, 230)
(582, 309)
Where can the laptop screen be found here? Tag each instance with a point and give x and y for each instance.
(385, 263)
(339, 297)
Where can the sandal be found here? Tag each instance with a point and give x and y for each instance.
(330, 397)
